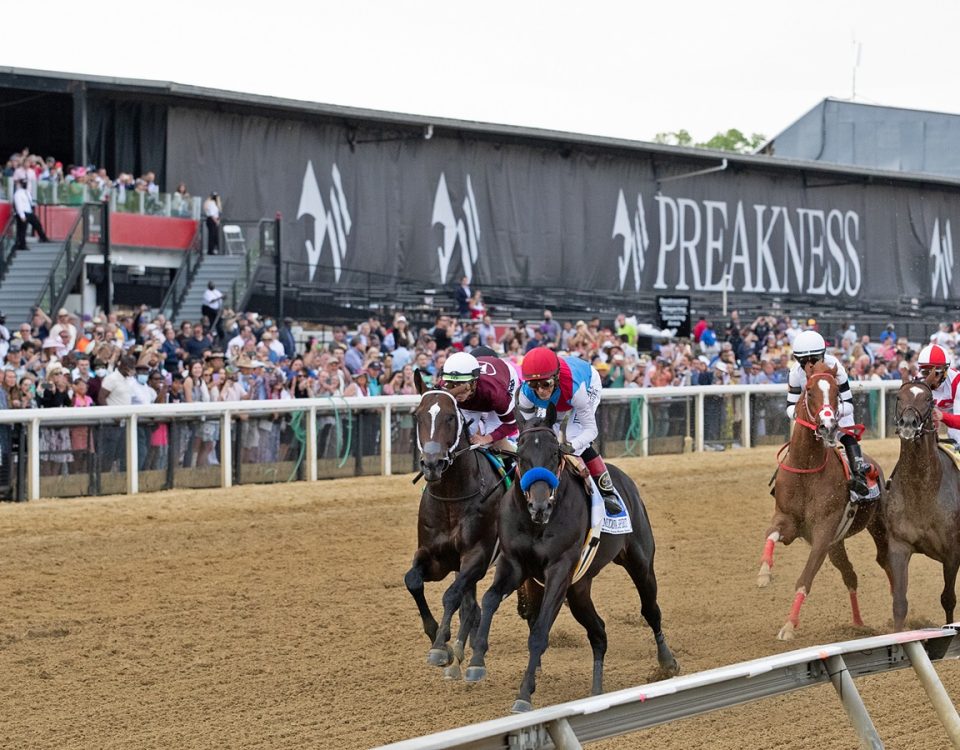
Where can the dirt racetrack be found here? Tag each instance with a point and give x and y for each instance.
(272, 617)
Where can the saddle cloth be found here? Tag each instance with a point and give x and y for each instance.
(600, 521)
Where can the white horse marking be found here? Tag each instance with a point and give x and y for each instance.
(916, 390)
(433, 410)
(825, 387)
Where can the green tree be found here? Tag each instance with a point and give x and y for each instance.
(732, 140)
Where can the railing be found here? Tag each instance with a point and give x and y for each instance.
(567, 725)
(255, 240)
(307, 439)
(61, 275)
(126, 200)
(177, 290)
(7, 241)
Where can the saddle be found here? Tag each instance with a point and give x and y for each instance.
(951, 451)
(872, 477)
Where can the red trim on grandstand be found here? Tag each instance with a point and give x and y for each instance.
(131, 230)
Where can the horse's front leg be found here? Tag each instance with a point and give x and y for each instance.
(472, 568)
(555, 584)
(505, 582)
(782, 529)
(818, 553)
(899, 566)
(948, 599)
(469, 620)
(424, 568)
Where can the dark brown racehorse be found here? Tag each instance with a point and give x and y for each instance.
(456, 524)
(812, 496)
(921, 508)
(542, 531)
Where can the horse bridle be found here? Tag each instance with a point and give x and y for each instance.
(451, 454)
(924, 427)
(539, 473)
(826, 410)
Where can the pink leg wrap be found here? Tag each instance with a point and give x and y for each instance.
(768, 552)
(855, 607)
(795, 609)
(596, 466)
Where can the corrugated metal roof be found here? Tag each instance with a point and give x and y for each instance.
(871, 136)
(784, 161)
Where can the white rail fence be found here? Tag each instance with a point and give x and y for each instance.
(645, 401)
(568, 726)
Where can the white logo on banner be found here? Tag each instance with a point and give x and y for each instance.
(636, 241)
(941, 250)
(704, 244)
(334, 223)
(465, 231)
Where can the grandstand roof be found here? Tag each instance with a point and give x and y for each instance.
(869, 136)
(788, 156)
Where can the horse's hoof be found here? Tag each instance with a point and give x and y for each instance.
(439, 657)
(670, 667)
(475, 674)
(458, 650)
(763, 577)
(521, 707)
(786, 632)
(452, 672)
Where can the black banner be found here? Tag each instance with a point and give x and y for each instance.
(674, 313)
(527, 215)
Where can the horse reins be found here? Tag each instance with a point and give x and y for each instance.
(924, 426)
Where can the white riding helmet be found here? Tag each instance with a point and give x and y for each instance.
(809, 344)
(933, 355)
(461, 367)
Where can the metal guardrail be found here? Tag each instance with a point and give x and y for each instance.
(645, 399)
(177, 291)
(7, 242)
(567, 725)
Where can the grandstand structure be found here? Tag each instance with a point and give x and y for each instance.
(383, 210)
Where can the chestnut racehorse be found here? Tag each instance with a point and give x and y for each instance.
(812, 498)
(921, 508)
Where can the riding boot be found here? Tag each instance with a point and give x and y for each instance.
(858, 468)
(610, 500)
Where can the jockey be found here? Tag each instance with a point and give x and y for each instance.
(935, 370)
(808, 349)
(569, 383)
(484, 387)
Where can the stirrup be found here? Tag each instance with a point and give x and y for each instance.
(611, 504)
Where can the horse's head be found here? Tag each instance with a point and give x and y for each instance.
(539, 463)
(821, 400)
(914, 410)
(440, 429)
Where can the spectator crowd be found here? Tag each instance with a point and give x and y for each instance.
(135, 358)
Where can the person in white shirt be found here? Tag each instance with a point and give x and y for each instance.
(210, 309)
(23, 206)
(211, 210)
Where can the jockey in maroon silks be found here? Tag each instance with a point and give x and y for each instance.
(484, 388)
(570, 384)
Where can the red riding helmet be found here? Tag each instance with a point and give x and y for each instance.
(539, 364)
(932, 356)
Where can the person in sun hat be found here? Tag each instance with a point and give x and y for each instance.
(571, 385)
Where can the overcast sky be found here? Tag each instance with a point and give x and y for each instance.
(624, 69)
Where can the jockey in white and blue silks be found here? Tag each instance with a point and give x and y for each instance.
(570, 384)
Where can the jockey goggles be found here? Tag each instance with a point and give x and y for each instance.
(451, 385)
(542, 384)
(809, 359)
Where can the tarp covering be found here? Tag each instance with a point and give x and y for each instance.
(587, 219)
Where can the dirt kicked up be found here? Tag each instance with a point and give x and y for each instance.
(276, 616)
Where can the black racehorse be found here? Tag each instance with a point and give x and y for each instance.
(456, 525)
(542, 532)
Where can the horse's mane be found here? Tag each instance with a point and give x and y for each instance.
(821, 368)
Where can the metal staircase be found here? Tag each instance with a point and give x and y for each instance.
(26, 278)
